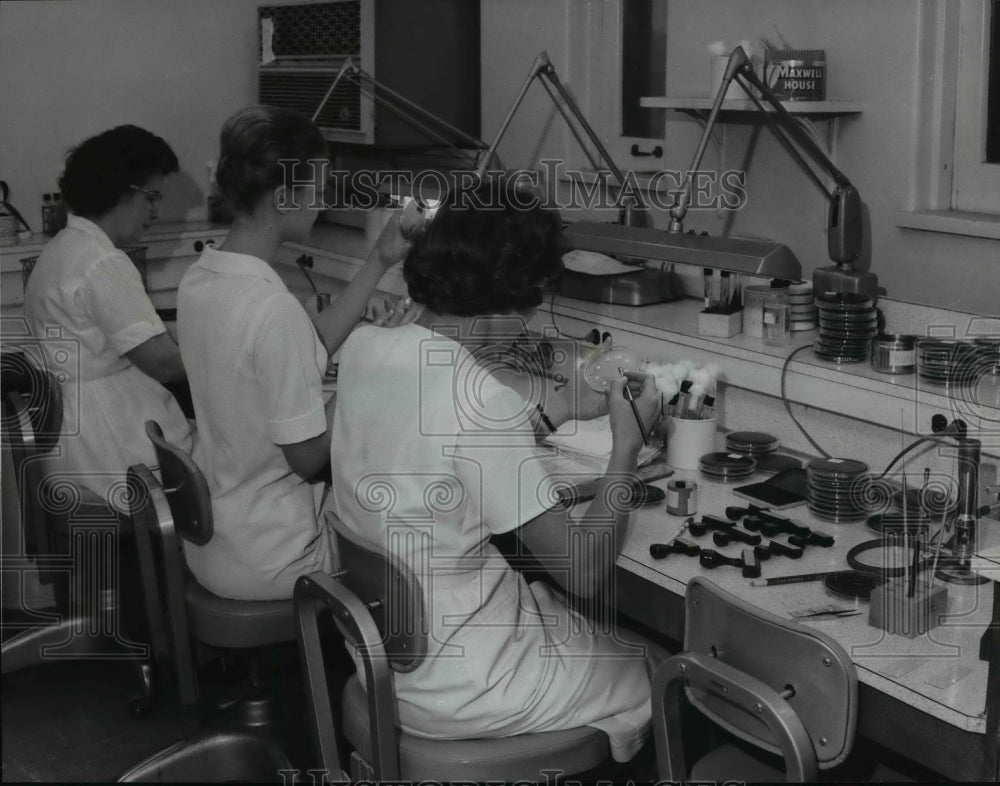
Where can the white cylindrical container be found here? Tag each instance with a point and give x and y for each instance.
(688, 440)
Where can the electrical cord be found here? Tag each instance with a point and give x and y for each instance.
(788, 406)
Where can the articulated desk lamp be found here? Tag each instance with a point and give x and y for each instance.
(844, 224)
(631, 237)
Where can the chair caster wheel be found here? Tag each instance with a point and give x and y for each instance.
(141, 707)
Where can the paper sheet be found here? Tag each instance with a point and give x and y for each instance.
(266, 41)
(594, 264)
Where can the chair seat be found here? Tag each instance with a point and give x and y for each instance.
(521, 757)
(231, 756)
(238, 624)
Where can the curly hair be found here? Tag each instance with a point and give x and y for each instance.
(104, 168)
(493, 250)
(256, 145)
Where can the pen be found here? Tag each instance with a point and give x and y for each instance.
(797, 579)
(635, 409)
(545, 419)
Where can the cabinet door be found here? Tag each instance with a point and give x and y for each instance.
(617, 54)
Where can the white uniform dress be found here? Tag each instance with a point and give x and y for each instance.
(255, 366)
(86, 306)
(431, 456)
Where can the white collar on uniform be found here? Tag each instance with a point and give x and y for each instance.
(230, 263)
(90, 229)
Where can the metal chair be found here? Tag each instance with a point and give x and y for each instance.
(785, 689)
(377, 605)
(182, 614)
(136, 253)
(71, 537)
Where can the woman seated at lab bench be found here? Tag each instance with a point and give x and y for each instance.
(432, 454)
(255, 360)
(85, 297)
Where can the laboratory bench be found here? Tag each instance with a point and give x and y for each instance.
(925, 698)
(933, 712)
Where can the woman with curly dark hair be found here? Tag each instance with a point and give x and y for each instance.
(85, 293)
(434, 451)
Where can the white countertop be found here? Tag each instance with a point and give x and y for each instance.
(893, 664)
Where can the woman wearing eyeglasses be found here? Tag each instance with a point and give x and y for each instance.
(87, 307)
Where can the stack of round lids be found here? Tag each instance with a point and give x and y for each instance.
(947, 362)
(847, 324)
(802, 307)
(727, 466)
(762, 448)
(837, 489)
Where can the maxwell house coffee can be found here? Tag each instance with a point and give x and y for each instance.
(796, 74)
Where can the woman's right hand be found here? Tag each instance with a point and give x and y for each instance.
(624, 429)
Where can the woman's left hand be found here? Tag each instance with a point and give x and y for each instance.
(384, 314)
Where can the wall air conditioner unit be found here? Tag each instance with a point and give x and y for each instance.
(427, 51)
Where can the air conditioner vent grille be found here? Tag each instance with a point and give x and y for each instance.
(315, 30)
(303, 92)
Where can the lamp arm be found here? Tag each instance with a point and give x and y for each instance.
(543, 70)
(536, 67)
(844, 219)
(412, 113)
(680, 206)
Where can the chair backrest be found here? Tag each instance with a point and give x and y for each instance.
(185, 487)
(779, 685)
(41, 393)
(32, 418)
(162, 570)
(164, 513)
(377, 604)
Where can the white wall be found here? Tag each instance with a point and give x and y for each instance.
(871, 52)
(70, 69)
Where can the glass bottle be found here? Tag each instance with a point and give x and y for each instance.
(777, 312)
(48, 216)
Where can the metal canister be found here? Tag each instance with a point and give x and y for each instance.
(682, 497)
(894, 353)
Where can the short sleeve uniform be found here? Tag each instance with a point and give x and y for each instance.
(431, 455)
(255, 365)
(86, 307)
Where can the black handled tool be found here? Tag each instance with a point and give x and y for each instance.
(767, 528)
(751, 564)
(779, 549)
(699, 528)
(725, 537)
(710, 558)
(678, 546)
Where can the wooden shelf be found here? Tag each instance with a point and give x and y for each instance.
(745, 105)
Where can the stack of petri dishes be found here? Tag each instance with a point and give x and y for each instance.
(837, 489)
(847, 324)
(762, 447)
(727, 466)
(802, 307)
(948, 363)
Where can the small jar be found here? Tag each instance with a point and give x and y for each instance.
(776, 318)
(753, 310)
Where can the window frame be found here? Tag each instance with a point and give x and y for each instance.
(975, 182)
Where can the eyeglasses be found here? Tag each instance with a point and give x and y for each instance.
(152, 196)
